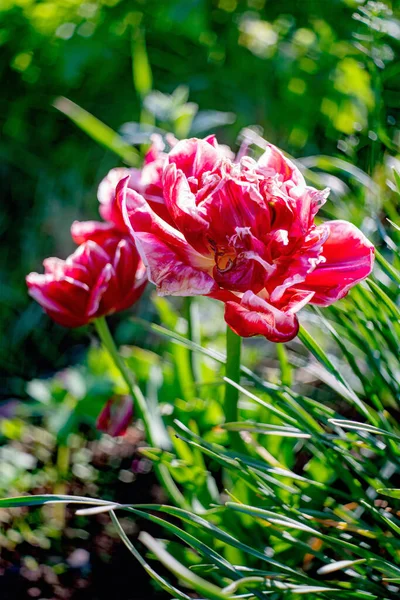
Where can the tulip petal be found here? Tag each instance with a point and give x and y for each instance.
(255, 316)
(86, 263)
(273, 162)
(305, 203)
(349, 258)
(106, 189)
(63, 299)
(168, 272)
(181, 203)
(140, 218)
(97, 279)
(233, 205)
(195, 156)
(97, 231)
(292, 270)
(130, 274)
(101, 287)
(296, 300)
(156, 149)
(109, 208)
(126, 260)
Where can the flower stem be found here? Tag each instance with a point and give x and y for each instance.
(141, 408)
(60, 488)
(193, 333)
(286, 371)
(233, 352)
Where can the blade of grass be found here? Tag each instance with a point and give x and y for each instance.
(163, 583)
(98, 131)
(198, 584)
(21, 501)
(321, 356)
(387, 267)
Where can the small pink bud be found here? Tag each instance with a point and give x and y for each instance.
(116, 416)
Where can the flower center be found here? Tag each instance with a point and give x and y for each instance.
(225, 260)
(224, 256)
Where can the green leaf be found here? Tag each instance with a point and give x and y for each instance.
(142, 75)
(387, 302)
(327, 163)
(339, 565)
(321, 356)
(391, 492)
(222, 535)
(200, 585)
(183, 118)
(208, 120)
(163, 583)
(266, 429)
(213, 354)
(49, 499)
(281, 520)
(396, 176)
(98, 131)
(345, 424)
(387, 267)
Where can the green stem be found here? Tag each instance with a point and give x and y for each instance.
(141, 408)
(60, 487)
(232, 371)
(193, 334)
(286, 371)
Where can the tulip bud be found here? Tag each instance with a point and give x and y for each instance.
(104, 275)
(115, 416)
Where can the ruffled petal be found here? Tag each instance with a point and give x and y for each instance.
(106, 189)
(168, 272)
(130, 274)
(296, 300)
(64, 299)
(181, 203)
(232, 205)
(109, 208)
(292, 269)
(140, 218)
(305, 203)
(103, 293)
(156, 149)
(349, 258)
(273, 162)
(95, 280)
(86, 262)
(253, 315)
(194, 157)
(97, 231)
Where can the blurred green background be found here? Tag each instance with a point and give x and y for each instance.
(318, 78)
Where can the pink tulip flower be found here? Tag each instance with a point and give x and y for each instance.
(104, 275)
(244, 233)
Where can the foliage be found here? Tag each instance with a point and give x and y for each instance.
(308, 505)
